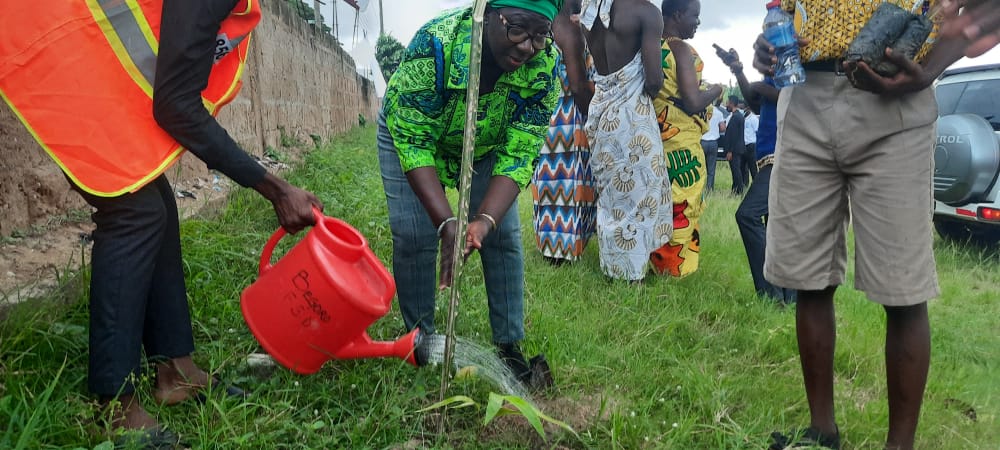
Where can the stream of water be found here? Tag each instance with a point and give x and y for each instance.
(484, 359)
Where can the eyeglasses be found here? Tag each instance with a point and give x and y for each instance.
(518, 34)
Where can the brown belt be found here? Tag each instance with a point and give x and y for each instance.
(765, 161)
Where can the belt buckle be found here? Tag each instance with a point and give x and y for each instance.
(838, 67)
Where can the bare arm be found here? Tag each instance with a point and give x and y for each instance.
(651, 23)
(569, 37)
(746, 88)
(693, 99)
(755, 92)
(765, 91)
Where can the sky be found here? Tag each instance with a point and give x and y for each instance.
(729, 23)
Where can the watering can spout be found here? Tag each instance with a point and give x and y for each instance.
(404, 348)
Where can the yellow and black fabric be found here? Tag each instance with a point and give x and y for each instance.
(832, 24)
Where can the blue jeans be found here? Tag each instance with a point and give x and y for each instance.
(415, 250)
(751, 217)
(711, 149)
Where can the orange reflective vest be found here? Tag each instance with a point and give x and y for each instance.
(79, 75)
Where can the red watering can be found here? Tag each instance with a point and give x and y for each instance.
(317, 302)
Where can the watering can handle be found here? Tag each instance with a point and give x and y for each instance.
(265, 256)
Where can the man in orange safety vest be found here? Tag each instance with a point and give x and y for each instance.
(154, 74)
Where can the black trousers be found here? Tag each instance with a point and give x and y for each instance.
(749, 164)
(138, 299)
(736, 169)
(751, 218)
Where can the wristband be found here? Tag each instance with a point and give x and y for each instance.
(490, 219)
(444, 223)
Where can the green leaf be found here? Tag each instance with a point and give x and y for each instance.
(461, 400)
(534, 416)
(529, 412)
(492, 407)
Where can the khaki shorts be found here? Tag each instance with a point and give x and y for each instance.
(848, 156)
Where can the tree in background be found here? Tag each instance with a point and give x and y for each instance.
(306, 13)
(389, 53)
(731, 91)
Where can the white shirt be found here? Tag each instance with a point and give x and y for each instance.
(713, 125)
(750, 129)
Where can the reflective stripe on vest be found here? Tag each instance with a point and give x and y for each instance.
(80, 76)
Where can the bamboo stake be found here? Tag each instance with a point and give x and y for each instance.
(464, 188)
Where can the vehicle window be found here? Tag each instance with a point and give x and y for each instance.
(981, 98)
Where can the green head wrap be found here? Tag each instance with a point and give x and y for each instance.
(547, 8)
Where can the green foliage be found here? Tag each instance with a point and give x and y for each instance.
(307, 13)
(496, 408)
(731, 91)
(288, 139)
(389, 54)
(697, 363)
(503, 405)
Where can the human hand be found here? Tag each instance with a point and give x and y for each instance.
(729, 156)
(765, 59)
(292, 205)
(477, 231)
(729, 57)
(979, 24)
(447, 265)
(295, 209)
(911, 77)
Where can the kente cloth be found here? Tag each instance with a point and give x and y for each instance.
(831, 25)
(681, 135)
(563, 186)
(633, 188)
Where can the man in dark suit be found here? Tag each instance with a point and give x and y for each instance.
(735, 147)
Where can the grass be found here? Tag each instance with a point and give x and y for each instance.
(698, 363)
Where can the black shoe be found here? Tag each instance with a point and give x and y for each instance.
(804, 438)
(541, 376)
(511, 355)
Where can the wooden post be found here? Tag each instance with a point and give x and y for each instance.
(464, 189)
(334, 27)
(317, 21)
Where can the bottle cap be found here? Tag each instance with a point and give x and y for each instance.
(773, 4)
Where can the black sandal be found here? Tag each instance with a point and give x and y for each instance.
(804, 438)
(231, 391)
(156, 438)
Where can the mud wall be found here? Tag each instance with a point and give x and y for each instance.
(298, 83)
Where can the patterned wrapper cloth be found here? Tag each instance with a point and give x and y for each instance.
(633, 189)
(563, 186)
(681, 135)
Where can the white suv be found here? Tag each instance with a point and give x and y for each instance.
(967, 156)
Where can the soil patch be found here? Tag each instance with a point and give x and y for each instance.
(36, 260)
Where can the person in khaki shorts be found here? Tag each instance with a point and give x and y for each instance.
(857, 148)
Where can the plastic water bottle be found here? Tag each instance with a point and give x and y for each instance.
(779, 30)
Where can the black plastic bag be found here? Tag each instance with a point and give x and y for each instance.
(889, 27)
